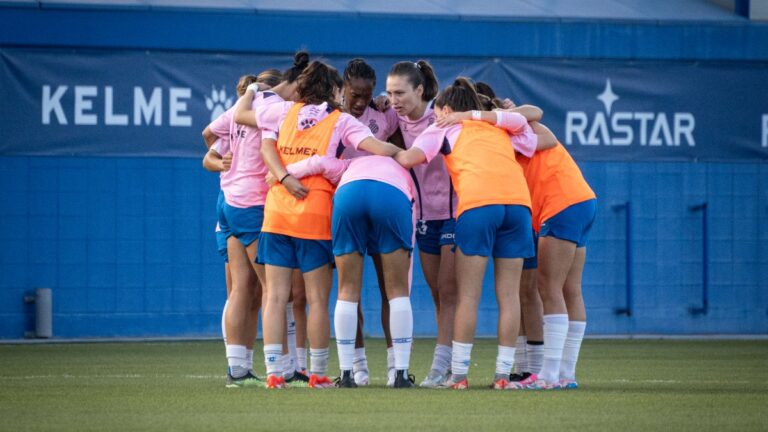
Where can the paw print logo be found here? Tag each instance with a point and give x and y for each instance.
(217, 102)
(373, 126)
(307, 123)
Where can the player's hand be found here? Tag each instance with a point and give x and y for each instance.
(226, 162)
(507, 103)
(381, 102)
(295, 187)
(453, 118)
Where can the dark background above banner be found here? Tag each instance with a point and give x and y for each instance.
(139, 103)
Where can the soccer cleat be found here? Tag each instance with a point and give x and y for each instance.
(320, 382)
(298, 377)
(404, 380)
(568, 384)
(276, 382)
(248, 380)
(519, 377)
(391, 377)
(345, 380)
(361, 377)
(500, 384)
(540, 384)
(435, 379)
(456, 385)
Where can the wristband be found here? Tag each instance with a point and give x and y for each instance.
(499, 117)
(284, 177)
(477, 115)
(254, 87)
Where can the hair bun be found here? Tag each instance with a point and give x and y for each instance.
(301, 59)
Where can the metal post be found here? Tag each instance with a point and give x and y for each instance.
(43, 300)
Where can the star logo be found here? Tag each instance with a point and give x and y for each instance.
(608, 97)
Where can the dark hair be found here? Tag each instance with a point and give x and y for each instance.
(419, 73)
(270, 77)
(300, 62)
(358, 68)
(459, 96)
(317, 82)
(244, 82)
(487, 96)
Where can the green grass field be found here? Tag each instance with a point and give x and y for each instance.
(625, 385)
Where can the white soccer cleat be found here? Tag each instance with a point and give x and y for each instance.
(361, 377)
(391, 377)
(435, 379)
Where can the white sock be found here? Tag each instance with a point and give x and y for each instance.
(555, 331)
(273, 354)
(345, 324)
(236, 359)
(291, 327)
(401, 326)
(462, 352)
(318, 358)
(534, 356)
(301, 358)
(224, 322)
(360, 361)
(571, 349)
(441, 361)
(286, 366)
(521, 363)
(505, 360)
(390, 358)
(249, 358)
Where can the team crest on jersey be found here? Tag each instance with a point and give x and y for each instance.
(307, 123)
(218, 102)
(373, 126)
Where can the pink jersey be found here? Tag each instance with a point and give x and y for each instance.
(380, 168)
(382, 124)
(522, 137)
(436, 198)
(349, 132)
(244, 184)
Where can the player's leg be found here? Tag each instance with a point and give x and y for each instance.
(577, 317)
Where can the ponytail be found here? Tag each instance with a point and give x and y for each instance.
(459, 96)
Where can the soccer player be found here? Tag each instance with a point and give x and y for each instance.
(297, 222)
(359, 83)
(493, 215)
(240, 314)
(410, 90)
(564, 209)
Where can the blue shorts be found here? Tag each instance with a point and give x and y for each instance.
(572, 224)
(221, 235)
(243, 223)
(533, 262)
(286, 251)
(433, 235)
(501, 231)
(371, 217)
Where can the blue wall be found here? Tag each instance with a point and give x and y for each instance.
(127, 245)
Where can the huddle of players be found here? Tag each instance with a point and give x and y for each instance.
(314, 173)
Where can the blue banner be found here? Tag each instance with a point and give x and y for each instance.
(137, 103)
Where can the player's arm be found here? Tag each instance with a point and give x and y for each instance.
(397, 139)
(209, 137)
(411, 157)
(546, 139)
(214, 162)
(276, 167)
(243, 113)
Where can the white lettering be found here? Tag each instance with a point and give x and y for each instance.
(661, 126)
(599, 126)
(765, 130)
(152, 110)
(82, 105)
(53, 103)
(571, 127)
(644, 117)
(177, 106)
(110, 118)
(625, 129)
(684, 125)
